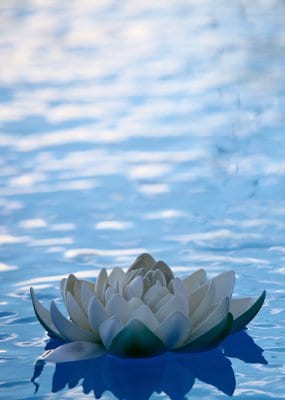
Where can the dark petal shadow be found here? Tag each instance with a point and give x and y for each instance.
(171, 373)
(53, 343)
(240, 345)
(214, 368)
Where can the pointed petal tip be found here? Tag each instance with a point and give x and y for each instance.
(137, 341)
(246, 317)
(75, 351)
(211, 338)
(44, 317)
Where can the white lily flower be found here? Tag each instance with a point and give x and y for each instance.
(144, 312)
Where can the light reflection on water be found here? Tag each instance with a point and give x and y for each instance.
(129, 127)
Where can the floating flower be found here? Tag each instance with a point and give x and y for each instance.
(144, 312)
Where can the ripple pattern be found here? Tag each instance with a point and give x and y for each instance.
(141, 126)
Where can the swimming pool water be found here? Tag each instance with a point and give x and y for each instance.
(142, 126)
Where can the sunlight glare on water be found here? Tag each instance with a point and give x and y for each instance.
(128, 127)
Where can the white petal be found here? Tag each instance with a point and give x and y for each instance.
(219, 312)
(86, 294)
(149, 274)
(69, 285)
(134, 303)
(158, 276)
(176, 286)
(145, 261)
(68, 329)
(146, 284)
(109, 293)
(76, 313)
(119, 307)
(127, 293)
(118, 275)
(137, 286)
(239, 306)
(96, 313)
(155, 294)
(146, 316)
(44, 316)
(164, 268)
(161, 302)
(128, 278)
(219, 287)
(244, 310)
(62, 287)
(175, 303)
(136, 340)
(75, 351)
(100, 285)
(174, 330)
(195, 280)
(196, 297)
(224, 285)
(109, 329)
(116, 287)
(205, 304)
(77, 291)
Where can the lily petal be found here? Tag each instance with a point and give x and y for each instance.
(217, 315)
(145, 261)
(119, 307)
(164, 268)
(155, 294)
(146, 316)
(137, 286)
(244, 310)
(69, 285)
(117, 274)
(176, 286)
(77, 291)
(96, 313)
(134, 303)
(175, 303)
(109, 329)
(68, 329)
(219, 287)
(146, 284)
(196, 297)
(174, 330)
(158, 276)
(211, 338)
(195, 280)
(203, 309)
(127, 293)
(224, 285)
(86, 295)
(44, 317)
(136, 340)
(157, 306)
(62, 287)
(100, 284)
(76, 313)
(110, 291)
(74, 351)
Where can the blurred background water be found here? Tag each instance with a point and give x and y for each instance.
(130, 126)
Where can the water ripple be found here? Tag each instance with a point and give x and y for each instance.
(130, 127)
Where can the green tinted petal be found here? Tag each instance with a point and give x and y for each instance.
(44, 317)
(248, 315)
(210, 338)
(136, 340)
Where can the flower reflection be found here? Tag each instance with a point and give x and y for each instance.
(171, 373)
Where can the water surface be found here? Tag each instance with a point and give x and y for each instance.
(128, 127)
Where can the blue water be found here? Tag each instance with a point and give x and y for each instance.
(142, 126)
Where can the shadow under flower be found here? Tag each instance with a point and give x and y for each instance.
(171, 373)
